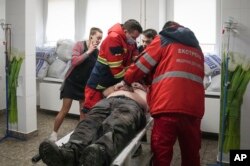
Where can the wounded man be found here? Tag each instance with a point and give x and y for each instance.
(105, 131)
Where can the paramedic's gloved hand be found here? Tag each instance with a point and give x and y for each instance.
(122, 86)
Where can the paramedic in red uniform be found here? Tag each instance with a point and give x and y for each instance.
(116, 53)
(176, 94)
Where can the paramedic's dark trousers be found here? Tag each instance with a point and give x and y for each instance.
(112, 122)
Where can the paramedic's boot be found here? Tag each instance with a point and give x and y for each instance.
(53, 155)
(93, 155)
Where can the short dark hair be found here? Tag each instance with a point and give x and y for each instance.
(131, 25)
(149, 33)
(171, 24)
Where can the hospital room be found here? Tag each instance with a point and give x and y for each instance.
(124, 82)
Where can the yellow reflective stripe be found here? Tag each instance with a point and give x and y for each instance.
(149, 59)
(115, 64)
(102, 60)
(179, 74)
(120, 75)
(100, 87)
(142, 67)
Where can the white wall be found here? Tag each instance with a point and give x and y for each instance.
(39, 22)
(150, 13)
(2, 59)
(80, 20)
(40, 10)
(162, 13)
(21, 14)
(131, 10)
(240, 11)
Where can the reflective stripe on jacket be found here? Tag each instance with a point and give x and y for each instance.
(114, 56)
(178, 71)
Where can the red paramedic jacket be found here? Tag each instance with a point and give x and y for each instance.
(114, 57)
(176, 62)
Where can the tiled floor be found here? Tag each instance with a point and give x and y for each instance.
(14, 152)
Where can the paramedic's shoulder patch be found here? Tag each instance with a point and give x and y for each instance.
(116, 50)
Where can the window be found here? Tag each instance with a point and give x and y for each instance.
(102, 14)
(60, 20)
(200, 17)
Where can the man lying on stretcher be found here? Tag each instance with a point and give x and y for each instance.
(107, 129)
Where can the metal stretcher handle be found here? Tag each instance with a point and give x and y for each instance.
(65, 139)
(36, 158)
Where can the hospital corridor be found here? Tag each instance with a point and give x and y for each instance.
(124, 82)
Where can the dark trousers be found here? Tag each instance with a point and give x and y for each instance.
(112, 122)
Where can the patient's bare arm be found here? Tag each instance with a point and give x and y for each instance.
(108, 91)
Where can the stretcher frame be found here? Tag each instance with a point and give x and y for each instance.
(126, 155)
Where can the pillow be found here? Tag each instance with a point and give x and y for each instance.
(56, 69)
(65, 69)
(46, 53)
(206, 81)
(215, 85)
(42, 67)
(64, 49)
(212, 64)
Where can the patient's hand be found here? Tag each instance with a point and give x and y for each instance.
(119, 85)
(127, 88)
(137, 85)
(122, 86)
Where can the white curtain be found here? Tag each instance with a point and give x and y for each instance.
(200, 17)
(60, 20)
(102, 14)
(45, 15)
(80, 18)
(72, 19)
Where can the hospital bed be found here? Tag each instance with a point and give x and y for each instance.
(127, 156)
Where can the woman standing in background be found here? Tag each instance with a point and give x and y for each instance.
(83, 60)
